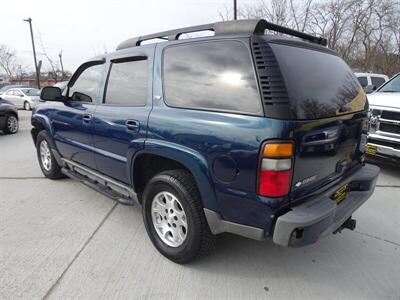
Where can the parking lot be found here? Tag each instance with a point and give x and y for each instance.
(61, 240)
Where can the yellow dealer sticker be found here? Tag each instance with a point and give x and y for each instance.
(341, 194)
(371, 149)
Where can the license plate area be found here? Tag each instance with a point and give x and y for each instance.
(341, 193)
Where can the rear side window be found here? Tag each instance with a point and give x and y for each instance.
(363, 81)
(211, 76)
(319, 84)
(127, 83)
(377, 81)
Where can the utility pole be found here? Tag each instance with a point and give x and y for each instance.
(234, 9)
(29, 20)
(62, 66)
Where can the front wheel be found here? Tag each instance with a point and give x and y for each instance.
(174, 217)
(47, 161)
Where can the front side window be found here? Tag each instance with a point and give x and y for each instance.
(127, 83)
(18, 93)
(377, 81)
(86, 88)
(392, 86)
(31, 92)
(211, 76)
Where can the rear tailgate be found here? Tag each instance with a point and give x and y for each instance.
(326, 149)
(326, 107)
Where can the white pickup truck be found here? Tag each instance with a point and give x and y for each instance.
(384, 134)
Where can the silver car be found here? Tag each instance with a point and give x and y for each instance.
(26, 98)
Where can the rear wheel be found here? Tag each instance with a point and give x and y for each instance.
(11, 124)
(27, 105)
(174, 217)
(47, 161)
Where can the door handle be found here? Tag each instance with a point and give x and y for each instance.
(132, 124)
(87, 118)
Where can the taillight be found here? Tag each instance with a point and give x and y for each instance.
(275, 171)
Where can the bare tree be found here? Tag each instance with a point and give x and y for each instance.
(56, 65)
(8, 61)
(366, 33)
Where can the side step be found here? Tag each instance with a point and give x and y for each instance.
(108, 187)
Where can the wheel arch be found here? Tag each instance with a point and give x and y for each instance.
(39, 123)
(158, 156)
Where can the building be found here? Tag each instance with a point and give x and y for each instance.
(32, 82)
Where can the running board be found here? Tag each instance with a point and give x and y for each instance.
(103, 184)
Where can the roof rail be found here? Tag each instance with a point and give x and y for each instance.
(220, 28)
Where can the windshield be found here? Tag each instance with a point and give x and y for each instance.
(31, 92)
(319, 84)
(392, 86)
(4, 88)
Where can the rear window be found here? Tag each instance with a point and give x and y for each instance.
(216, 76)
(319, 84)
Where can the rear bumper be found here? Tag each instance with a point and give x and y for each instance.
(320, 216)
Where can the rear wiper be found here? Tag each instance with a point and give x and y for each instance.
(390, 91)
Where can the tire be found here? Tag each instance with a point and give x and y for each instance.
(193, 242)
(27, 105)
(48, 163)
(11, 125)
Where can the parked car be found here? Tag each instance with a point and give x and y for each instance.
(370, 81)
(8, 117)
(62, 85)
(384, 135)
(205, 134)
(7, 87)
(26, 98)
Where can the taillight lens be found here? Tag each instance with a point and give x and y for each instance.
(276, 169)
(274, 184)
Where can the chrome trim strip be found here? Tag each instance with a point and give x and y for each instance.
(384, 138)
(390, 151)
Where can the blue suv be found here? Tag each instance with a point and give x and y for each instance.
(260, 135)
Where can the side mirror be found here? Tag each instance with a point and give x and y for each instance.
(22, 96)
(370, 88)
(51, 93)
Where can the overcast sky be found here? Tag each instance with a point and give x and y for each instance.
(86, 28)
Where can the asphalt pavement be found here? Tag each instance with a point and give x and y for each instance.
(62, 240)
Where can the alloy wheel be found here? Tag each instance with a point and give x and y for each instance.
(12, 124)
(169, 219)
(45, 155)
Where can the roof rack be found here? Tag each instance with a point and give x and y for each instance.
(220, 28)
